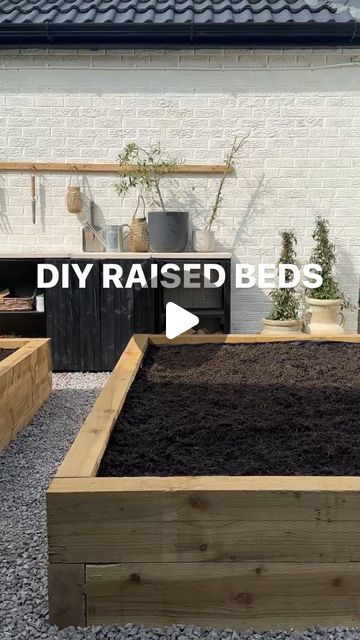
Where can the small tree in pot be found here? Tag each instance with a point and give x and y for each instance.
(324, 315)
(284, 315)
(143, 169)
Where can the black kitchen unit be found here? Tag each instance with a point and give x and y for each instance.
(89, 328)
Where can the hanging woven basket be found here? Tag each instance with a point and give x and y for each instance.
(139, 231)
(74, 201)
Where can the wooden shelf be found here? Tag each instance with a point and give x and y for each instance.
(25, 312)
(203, 312)
(103, 167)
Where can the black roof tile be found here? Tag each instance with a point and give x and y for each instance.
(117, 12)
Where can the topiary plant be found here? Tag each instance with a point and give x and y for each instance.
(324, 255)
(285, 300)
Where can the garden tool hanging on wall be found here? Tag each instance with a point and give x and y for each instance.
(33, 196)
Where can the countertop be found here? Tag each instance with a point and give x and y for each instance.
(126, 255)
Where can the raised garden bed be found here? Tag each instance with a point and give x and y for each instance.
(25, 383)
(239, 551)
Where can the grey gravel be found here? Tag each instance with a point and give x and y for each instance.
(26, 469)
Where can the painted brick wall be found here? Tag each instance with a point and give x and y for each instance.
(303, 157)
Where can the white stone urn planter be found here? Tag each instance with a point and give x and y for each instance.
(281, 327)
(324, 317)
(203, 241)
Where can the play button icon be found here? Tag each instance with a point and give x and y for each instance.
(178, 320)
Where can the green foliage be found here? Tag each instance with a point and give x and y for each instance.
(148, 166)
(324, 255)
(285, 301)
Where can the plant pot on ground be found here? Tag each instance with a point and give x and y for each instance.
(143, 170)
(204, 239)
(284, 315)
(323, 315)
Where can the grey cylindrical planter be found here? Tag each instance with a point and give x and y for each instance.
(168, 230)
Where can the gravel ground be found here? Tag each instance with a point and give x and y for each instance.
(26, 469)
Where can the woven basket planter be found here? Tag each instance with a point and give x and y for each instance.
(139, 232)
(74, 200)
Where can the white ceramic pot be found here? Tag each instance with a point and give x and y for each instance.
(281, 327)
(203, 241)
(324, 317)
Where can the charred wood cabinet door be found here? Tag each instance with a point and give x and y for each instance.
(124, 312)
(73, 320)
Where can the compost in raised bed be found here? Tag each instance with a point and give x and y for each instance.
(4, 353)
(241, 409)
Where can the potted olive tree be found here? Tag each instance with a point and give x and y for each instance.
(204, 239)
(143, 170)
(284, 315)
(324, 314)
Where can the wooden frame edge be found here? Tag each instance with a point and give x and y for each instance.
(84, 456)
(246, 338)
(13, 343)
(175, 484)
(23, 349)
(80, 465)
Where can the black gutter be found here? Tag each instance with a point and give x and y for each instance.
(129, 35)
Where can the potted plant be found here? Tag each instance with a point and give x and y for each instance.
(204, 239)
(324, 315)
(284, 315)
(168, 230)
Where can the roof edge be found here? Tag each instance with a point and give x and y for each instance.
(310, 34)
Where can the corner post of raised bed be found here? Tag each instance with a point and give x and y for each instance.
(66, 588)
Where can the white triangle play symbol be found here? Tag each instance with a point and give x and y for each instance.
(178, 320)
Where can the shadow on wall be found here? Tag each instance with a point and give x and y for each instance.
(249, 306)
(349, 283)
(5, 225)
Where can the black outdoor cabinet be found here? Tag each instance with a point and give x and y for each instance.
(89, 328)
(73, 320)
(124, 312)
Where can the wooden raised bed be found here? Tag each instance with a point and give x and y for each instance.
(25, 383)
(263, 552)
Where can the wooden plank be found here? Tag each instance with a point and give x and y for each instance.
(95, 500)
(66, 595)
(246, 338)
(25, 382)
(224, 595)
(204, 541)
(84, 456)
(85, 167)
(13, 343)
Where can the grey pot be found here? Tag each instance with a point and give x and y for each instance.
(168, 230)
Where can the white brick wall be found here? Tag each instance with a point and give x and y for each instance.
(303, 157)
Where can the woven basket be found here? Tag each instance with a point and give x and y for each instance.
(139, 232)
(17, 304)
(74, 200)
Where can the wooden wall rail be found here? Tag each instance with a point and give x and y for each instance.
(103, 167)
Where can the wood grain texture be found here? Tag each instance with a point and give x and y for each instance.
(246, 338)
(85, 167)
(84, 456)
(204, 541)
(224, 595)
(94, 500)
(66, 586)
(263, 552)
(25, 383)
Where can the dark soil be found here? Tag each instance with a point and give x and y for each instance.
(257, 409)
(4, 353)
